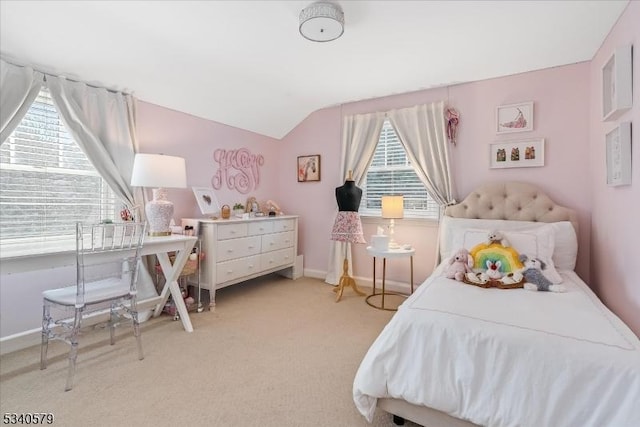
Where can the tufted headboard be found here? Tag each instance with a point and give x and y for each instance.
(515, 201)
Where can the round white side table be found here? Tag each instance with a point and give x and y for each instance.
(384, 254)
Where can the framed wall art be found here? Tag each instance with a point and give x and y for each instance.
(517, 154)
(309, 168)
(616, 84)
(207, 200)
(514, 118)
(618, 146)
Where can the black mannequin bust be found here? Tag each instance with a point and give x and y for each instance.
(348, 196)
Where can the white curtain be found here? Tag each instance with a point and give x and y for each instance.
(360, 134)
(19, 87)
(103, 124)
(100, 123)
(423, 133)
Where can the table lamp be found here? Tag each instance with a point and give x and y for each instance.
(162, 172)
(392, 209)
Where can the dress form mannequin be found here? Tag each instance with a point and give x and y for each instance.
(347, 228)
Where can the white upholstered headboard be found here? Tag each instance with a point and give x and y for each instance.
(515, 201)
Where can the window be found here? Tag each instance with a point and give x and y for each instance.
(46, 181)
(391, 172)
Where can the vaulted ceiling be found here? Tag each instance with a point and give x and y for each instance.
(244, 63)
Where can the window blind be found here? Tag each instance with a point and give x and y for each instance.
(46, 181)
(391, 172)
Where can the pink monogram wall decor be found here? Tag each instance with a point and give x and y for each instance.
(239, 169)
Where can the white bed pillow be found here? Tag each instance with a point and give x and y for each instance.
(565, 240)
(563, 245)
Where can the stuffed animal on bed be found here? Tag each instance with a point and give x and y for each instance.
(496, 236)
(459, 264)
(493, 270)
(534, 279)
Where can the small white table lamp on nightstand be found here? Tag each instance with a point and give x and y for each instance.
(392, 209)
(160, 171)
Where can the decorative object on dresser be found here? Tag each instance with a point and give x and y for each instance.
(392, 209)
(158, 170)
(618, 145)
(242, 249)
(517, 154)
(617, 81)
(207, 200)
(514, 118)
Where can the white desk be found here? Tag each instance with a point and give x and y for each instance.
(63, 253)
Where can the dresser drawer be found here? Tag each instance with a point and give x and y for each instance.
(232, 231)
(260, 227)
(230, 270)
(283, 225)
(237, 248)
(275, 241)
(276, 258)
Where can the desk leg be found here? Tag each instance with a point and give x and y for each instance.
(171, 273)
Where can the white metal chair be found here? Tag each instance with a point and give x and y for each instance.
(107, 260)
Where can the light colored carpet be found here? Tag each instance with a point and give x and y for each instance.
(275, 352)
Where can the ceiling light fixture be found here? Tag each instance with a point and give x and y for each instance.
(322, 22)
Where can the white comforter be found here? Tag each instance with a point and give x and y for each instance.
(506, 357)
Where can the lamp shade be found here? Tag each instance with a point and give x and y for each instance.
(322, 21)
(393, 207)
(158, 170)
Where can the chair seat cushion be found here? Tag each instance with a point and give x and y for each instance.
(94, 292)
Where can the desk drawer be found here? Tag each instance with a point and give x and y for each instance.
(237, 248)
(232, 231)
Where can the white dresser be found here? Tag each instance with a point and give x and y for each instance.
(236, 250)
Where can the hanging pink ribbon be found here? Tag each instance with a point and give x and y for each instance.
(453, 118)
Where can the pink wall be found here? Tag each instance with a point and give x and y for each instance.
(616, 210)
(561, 98)
(160, 130)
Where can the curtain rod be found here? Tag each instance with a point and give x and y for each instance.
(45, 74)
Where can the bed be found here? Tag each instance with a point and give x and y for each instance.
(461, 355)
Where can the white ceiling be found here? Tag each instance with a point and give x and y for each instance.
(243, 63)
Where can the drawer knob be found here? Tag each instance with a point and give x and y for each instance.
(229, 250)
(271, 243)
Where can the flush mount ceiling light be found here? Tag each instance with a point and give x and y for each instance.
(322, 22)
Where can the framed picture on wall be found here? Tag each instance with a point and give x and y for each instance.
(309, 168)
(618, 145)
(517, 154)
(207, 200)
(617, 94)
(514, 118)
